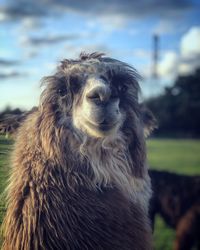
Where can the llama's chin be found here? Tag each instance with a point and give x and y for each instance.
(101, 130)
(98, 130)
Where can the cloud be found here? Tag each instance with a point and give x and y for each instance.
(142, 53)
(189, 64)
(190, 51)
(30, 53)
(165, 26)
(5, 62)
(185, 68)
(13, 74)
(190, 43)
(15, 10)
(167, 65)
(125, 8)
(30, 24)
(48, 40)
(186, 60)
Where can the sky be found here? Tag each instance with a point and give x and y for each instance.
(36, 35)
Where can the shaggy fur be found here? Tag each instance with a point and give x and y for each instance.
(73, 190)
(176, 199)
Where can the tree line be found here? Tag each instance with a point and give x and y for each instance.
(178, 108)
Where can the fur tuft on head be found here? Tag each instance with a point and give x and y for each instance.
(95, 55)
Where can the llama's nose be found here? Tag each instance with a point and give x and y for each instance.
(99, 94)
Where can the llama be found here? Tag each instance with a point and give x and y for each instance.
(79, 177)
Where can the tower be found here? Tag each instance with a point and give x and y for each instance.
(155, 56)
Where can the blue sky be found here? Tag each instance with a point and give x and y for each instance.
(36, 35)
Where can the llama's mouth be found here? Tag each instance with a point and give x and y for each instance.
(106, 126)
(102, 126)
(96, 124)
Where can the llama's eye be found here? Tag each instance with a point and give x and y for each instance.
(74, 83)
(123, 89)
(62, 91)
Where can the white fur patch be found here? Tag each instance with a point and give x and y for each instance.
(111, 164)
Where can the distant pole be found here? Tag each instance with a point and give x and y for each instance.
(155, 56)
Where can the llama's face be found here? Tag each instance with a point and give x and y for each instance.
(98, 106)
(96, 96)
(98, 112)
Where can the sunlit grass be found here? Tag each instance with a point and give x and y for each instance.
(180, 156)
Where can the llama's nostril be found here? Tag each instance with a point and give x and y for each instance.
(104, 122)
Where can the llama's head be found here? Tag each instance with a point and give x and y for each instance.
(97, 94)
(90, 106)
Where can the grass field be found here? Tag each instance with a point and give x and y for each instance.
(182, 156)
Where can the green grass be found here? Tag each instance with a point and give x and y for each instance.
(181, 156)
(163, 236)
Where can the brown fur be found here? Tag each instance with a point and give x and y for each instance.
(57, 198)
(176, 199)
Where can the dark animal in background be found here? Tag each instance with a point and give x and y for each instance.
(79, 178)
(10, 123)
(176, 198)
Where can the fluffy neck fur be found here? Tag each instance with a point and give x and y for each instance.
(104, 162)
(110, 161)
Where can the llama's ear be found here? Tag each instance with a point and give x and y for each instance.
(148, 119)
